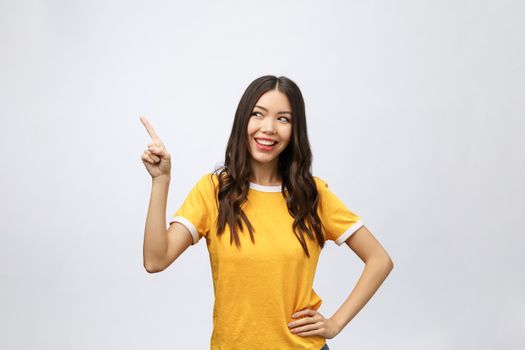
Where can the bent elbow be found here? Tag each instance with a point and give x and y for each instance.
(387, 261)
(152, 268)
(390, 264)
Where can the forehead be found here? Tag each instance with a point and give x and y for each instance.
(274, 100)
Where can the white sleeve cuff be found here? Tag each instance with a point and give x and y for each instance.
(341, 239)
(189, 226)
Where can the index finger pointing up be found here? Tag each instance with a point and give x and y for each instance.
(151, 131)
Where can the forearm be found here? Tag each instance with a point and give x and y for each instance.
(155, 239)
(375, 272)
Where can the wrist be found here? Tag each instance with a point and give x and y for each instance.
(339, 325)
(162, 179)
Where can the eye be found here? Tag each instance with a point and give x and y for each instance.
(255, 113)
(287, 119)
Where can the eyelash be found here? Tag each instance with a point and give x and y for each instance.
(287, 119)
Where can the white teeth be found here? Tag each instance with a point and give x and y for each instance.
(264, 142)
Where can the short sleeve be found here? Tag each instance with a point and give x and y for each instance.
(194, 211)
(339, 222)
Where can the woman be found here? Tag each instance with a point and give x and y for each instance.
(265, 219)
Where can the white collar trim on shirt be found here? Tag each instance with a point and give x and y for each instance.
(264, 188)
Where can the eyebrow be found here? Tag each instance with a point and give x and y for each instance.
(267, 110)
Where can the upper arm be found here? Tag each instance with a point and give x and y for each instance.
(179, 239)
(366, 246)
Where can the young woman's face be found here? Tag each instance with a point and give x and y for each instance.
(271, 119)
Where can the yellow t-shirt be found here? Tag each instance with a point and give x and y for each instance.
(259, 286)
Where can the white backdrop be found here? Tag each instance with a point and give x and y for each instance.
(415, 115)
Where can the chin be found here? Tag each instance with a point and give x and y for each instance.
(263, 158)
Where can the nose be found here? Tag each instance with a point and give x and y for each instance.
(267, 126)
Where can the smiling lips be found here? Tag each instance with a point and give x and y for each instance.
(265, 144)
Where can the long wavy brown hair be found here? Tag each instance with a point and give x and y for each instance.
(298, 184)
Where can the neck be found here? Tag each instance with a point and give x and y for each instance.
(265, 174)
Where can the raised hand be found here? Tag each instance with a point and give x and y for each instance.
(156, 158)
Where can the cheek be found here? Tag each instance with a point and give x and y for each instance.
(287, 134)
(252, 127)
(250, 134)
